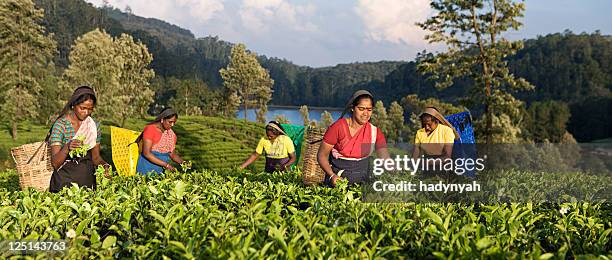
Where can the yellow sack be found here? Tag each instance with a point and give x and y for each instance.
(125, 157)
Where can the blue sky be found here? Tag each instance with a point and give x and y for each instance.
(327, 32)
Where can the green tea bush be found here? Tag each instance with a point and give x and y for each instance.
(237, 214)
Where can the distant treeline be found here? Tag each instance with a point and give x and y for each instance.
(571, 68)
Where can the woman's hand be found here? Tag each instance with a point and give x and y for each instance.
(74, 144)
(169, 167)
(334, 178)
(249, 160)
(107, 171)
(285, 167)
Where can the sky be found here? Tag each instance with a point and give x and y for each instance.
(321, 33)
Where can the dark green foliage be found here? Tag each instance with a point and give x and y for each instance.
(69, 19)
(170, 35)
(546, 121)
(186, 96)
(563, 66)
(591, 119)
(234, 214)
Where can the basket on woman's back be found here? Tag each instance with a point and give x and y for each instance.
(312, 172)
(33, 163)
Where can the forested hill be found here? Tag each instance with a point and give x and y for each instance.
(177, 53)
(573, 68)
(563, 66)
(168, 34)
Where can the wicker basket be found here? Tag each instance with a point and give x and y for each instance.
(312, 173)
(33, 163)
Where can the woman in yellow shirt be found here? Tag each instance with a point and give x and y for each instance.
(279, 149)
(437, 136)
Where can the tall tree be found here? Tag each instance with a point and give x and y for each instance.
(261, 113)
(93, 62)
(231, 103)
(134, 94)
(262, 95)
(116, 69)
(380, 118)
(473, 31)
(26, 52)
(396, 121)
(245, 78)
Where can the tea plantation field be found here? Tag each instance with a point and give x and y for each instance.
(219, 212)
(231, 214)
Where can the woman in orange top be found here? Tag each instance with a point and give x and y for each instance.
(158, 144)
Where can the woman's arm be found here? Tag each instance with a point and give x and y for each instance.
(447, 152)
(416, 152)
(147, 146)
(60, 153)
(97, 158)
(285, 167)
(383, 153)
(249, 160)
(176, 158)
(323, 159)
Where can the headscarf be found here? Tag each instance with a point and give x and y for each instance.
(277, 126)
(432, 111)
(164, 114)
(357, 94)
(78, 92)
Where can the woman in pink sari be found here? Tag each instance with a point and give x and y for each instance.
(349, 142)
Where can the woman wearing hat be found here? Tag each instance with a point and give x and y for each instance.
(436, 138)
(279, 149)
(348, 142)
(74, 129)
(158, 144)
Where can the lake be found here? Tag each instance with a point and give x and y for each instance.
(291, 113)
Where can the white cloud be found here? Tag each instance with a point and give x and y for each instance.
(262, 15)
(170, 10)
(203, 10)
(394, 20)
